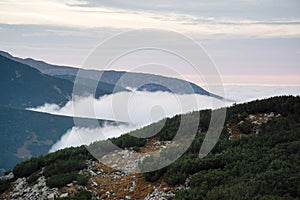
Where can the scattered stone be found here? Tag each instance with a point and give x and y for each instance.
(70, 184)
(51, 196)
(92, 173)
(94, 184)
(240, 123)
(63, 195)
(7, 177)
(252, 117)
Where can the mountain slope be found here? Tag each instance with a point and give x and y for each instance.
(23, 86)
(262, 165)
(43, 67)
(26, 133)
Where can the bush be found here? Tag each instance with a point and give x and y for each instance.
(64, 166)
(4, 185)
(26, 168)
(60, 180)
(126, 141)
(245, 127)
(83, 195)
(82, 179)
(32, 178)
(135, 148)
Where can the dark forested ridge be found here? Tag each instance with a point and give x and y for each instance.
(23, 86)
(256, 165)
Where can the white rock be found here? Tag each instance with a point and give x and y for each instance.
(64, 195)
(51, 196)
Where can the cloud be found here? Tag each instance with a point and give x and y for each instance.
(136, 107)
(78, 136)
(142, 108)
(119, 16)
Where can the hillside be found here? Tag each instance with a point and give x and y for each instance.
(23, 86)
(256, 157)
(120, 79)
(26, 134)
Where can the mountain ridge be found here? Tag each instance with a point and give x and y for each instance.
(119, 78)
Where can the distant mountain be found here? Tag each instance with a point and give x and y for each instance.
(24, 86)
(140, 81)
(42, 66)
(25, 133)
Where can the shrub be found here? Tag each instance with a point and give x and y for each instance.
(26, 168)
(245, 127)
(4, 185)
(60, 180)
(32, 178)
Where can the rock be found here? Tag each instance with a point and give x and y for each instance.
(159, 195)
(258, 131)
(51, 196)
(252, 117)
(127, 197)
(92, 173)
(95, 184)
(114, 166)
(63, 195)
(8, 176)
(162, 147)
(240, 123)
(70, 184)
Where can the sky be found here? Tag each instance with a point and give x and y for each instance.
(251, 42)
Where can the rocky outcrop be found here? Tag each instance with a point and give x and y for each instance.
(160, 195)
(23, 190)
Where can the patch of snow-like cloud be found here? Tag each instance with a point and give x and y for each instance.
(136, 108)
(77, 136)
(140, 108)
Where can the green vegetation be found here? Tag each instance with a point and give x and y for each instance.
(126, 141)
(4, 185)
(245, 127)
(263, 166)
(61, 167)
(33, 177)
(80, 195)
(62, 179)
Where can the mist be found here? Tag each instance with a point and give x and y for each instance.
(140, 108)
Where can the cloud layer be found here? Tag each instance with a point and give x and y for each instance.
(142, 108)
(175, 16)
